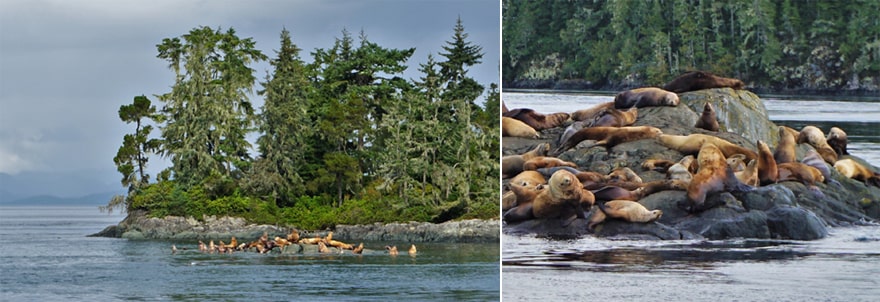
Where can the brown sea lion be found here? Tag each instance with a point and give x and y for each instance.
(412, 250)
(708, 120)
(655, 186)
(516, 128)
(616, 118)
(698, 80)
(623, 174)
(855, 170)
(645, 97)
(692, 144)
(314, 240)
(659, 165)
(749, 175)
(591, 113)
(800, 172)
(714, 176)
(392, 250)
(546, 162)
(837, 140)
(564, 197)
(511, 165)
(340, 245)
(737, 162)
(359, 249)
(785, 150)
(607, 193)
(537, 120)
(813, 159)
(814, 136)
(293, 236)
(508, 201)
(608, 136)
(768, 170)
(625, 209)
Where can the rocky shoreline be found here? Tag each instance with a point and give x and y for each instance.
(785, 210)
(139, 226)
(584, 85)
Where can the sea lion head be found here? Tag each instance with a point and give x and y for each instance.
(564, 185)
(655, 214)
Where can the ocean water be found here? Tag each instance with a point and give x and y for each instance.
(845, 266)
(46, 256)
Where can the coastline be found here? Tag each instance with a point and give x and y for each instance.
(138, 226)
(576, 86)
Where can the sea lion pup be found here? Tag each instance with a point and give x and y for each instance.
(623, 174)
(392, 250)
(698, 80)
(837, 140)
(768, 168)
(645, 97)
(659, 165)
(608, 137)
(855, 170)
(814, 136)
(515, 128)
(624, 209)
(785, 150)
(537, 120)
(359, 249)
(693, 143)
(749, 175)
(591, 113)
(322, 248)
(546, 162)
(511, 165)
(714, 176)
(682, 170)
(412, 250)
(708, 120)
(607, 193)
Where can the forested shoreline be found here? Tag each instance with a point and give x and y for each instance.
(342, 140)
(813, 46)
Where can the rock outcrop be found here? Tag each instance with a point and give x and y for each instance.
(786, 210)
(138, 225)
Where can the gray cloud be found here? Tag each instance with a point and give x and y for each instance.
(67, 66)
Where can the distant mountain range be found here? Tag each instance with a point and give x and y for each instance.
(58, 188)
(97, 199)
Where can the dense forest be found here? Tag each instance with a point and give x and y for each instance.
(342, 139)
(818, 45)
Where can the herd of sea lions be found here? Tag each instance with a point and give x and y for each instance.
(542, 186)
(326, 245)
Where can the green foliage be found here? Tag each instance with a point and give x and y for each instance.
(343, 139)
(824, 44)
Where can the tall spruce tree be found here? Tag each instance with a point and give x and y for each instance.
(208, 112)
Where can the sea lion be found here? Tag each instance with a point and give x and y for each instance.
(813, 159)
(516, 128)
(645, 97)
(340, 245)
(591, 113)
(508, 200)
(511, 165)
(768, 170)
(623, 174)
(293, 236)
(785, 150)
(837, 140)
(412, 250)
(627, 210)
(800, 172)
(692, 144)
(737, 162)
(202, 247)
(607, 193)
(659, 165)
(655, 186)
(537, 120)
(314, 240)
(546, 162)
(814, 136)
(708, 120)
(322, 248)
(853, 169)
(616, 118)
(749, 175)
(392, 250)
(608, 136)
(698, 80)
(524, 188)
(359, 249)
(713, 176)
(564, 197)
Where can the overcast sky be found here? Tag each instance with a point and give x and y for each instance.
(67, 66)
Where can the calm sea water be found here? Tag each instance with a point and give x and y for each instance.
(841, 267)
(45, 256)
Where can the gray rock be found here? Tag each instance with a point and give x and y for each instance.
(787, 222)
